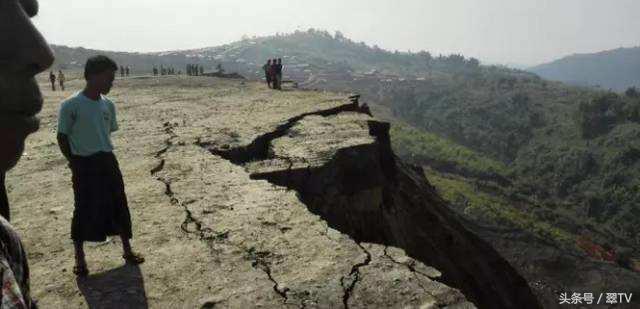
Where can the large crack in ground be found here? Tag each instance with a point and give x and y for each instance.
(191, 225)
(202, 233)
(428, 237)
(354, 277)
(400, 216)
(260, 260)
(258, 149)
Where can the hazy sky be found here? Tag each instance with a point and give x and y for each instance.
(502, 31)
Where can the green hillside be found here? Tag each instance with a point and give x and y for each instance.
(574, 150)
(315, 49)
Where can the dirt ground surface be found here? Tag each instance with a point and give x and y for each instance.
(212, 236)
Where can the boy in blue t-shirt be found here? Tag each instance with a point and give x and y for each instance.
(85, 123)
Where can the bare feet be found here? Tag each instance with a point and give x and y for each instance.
(133, 258)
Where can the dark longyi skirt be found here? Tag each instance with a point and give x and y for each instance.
(101, 208)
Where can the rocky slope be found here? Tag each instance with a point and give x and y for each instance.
(242, 197)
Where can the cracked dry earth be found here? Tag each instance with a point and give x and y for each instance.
(216, 229)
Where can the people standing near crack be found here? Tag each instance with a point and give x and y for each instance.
(61, 80)
(272, 72)
(86, 121)
(266, 68)
(52, 80)
(25, 54)
(278, 73)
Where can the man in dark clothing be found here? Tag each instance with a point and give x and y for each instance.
(127, 69)
(52, 79)
(25, 54)
(279, 73)
(85, 124)
(272, 73)
(266, 68)
(121, 71)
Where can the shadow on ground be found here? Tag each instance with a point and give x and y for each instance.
(122, 287)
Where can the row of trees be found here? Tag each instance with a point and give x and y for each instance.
(603, 113)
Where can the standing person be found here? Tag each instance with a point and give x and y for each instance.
(201, 70)
(52, 79)
(127, 71)
(61, 80)
(121, 71)
(25, 54)
(86, 121)
(266, 69)
(272, 73)
(279, 74)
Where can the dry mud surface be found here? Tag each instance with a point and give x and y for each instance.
(213, 236)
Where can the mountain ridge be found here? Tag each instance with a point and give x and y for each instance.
(616, 69)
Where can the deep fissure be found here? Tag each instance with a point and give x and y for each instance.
(258, 149)
(203, 233)
(375, 225)
(355, 274)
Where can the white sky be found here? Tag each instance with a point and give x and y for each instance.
(496, 31)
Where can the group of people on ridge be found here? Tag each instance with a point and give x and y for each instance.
(273, 73)
(124, 71)
(165, 71)
(85, 123)
(195, 69)
(61, 79)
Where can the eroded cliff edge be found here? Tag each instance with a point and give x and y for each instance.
(340, 163)
(243, 197)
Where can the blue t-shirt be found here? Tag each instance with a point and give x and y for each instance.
(88, 124)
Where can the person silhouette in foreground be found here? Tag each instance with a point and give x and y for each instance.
(86, 121)
(23, 54)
